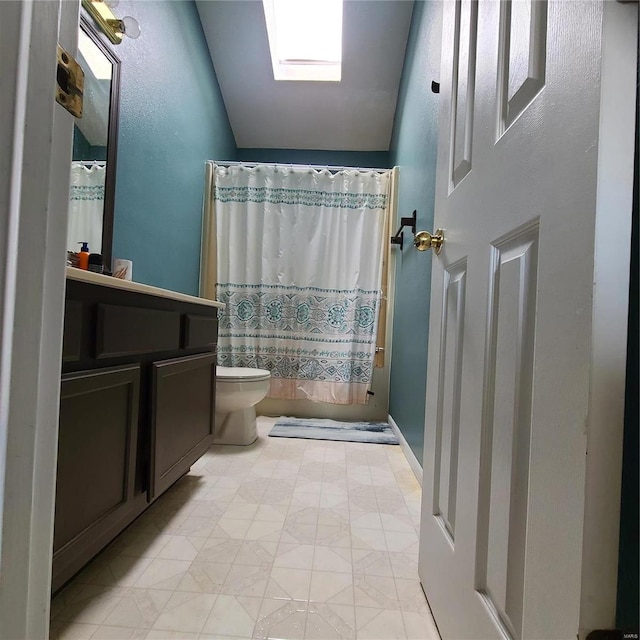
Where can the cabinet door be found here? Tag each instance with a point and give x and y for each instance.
(182, 416)
(96, 463)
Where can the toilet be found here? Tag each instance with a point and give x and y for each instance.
(238, 390)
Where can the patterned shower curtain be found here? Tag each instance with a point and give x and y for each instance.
(299, 263)
(86, 206)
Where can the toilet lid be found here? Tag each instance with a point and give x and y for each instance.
(241, 373)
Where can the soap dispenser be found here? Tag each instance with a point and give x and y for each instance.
(83, 256)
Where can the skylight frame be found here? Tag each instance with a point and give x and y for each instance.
(305, 69)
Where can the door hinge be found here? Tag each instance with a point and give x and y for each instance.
(69, 83)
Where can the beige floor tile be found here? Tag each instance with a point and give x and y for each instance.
(138, 608)
(375, 563)
(120, 571)
(256, 552)
(375, 591)
(231, 528)
(401, 542)
(244, 511)
(89, 604)
(287, 538)
(204, 577)
(331, 587)
(366, 520)
(420, 626)
(106, 632)
(271, 513)
(333, 536)
(246, 580)
(368, 539)
(335, 559)
(223, 550)
(265, 531)
(282, 620)
(410, 595)
(233, 616)
(162, 574)
(385, 625)
(63, 630)
(141, 544)
(294, 556)
(181, 548)
(161, 634)
(185, 612)
(400, 523)
(289, 583)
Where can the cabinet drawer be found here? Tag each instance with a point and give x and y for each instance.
(200, 331)
(123, 331)
(182, 416)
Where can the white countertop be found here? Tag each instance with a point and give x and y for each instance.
(137, 287)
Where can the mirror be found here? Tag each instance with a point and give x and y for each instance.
(91, 193)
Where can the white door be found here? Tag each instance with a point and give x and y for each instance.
(510, 348)
(35, 162)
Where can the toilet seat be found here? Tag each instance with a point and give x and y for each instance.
(241, 374)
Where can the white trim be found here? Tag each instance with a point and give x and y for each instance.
(32, 288)
(416, 467)
(605, 422)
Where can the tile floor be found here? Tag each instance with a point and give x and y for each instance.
(288, 539)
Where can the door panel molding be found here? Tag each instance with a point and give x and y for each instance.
(448, 411)
(506, 427)
(522, 57)
(463, 86)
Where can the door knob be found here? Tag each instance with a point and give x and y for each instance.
(424, 240)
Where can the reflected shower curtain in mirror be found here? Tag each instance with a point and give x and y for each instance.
(299, 263)
(86, 206)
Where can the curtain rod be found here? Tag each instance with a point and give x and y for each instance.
(235, 163)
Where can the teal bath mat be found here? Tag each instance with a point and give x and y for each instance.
(316, 429)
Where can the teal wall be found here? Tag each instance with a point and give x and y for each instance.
(172, 119)
(413, 150)
(82, 150)
(366, 159)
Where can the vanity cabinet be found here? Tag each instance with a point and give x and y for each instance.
(182, 403)
(137, 407)
(97, 448)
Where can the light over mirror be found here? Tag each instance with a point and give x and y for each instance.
(91, 193)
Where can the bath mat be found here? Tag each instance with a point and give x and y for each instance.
(316, 429)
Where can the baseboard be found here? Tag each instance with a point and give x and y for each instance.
(416, 467)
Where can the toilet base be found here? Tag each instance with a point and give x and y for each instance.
(237, 427)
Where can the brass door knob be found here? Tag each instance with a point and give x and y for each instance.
(424, 240)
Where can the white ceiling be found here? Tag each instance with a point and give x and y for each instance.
(355, 114)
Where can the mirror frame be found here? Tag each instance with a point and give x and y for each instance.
(112, 139)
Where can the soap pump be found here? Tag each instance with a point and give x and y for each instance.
(83, 256)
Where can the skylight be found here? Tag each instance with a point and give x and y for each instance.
(305, 38)
(97, 61)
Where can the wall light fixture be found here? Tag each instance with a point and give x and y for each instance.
(114, 28)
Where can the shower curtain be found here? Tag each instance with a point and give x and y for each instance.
(86, 206)
(299, 261)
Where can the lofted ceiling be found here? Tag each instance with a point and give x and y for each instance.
(355, 114)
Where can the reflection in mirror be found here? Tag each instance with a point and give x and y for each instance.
(91, 190)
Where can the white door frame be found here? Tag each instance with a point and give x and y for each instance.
(36, 139)
(604, 424)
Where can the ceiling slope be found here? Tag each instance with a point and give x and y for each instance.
(355, 114)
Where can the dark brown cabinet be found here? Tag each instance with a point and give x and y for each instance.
(136, 410)
(182, 416)
(97, 444)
